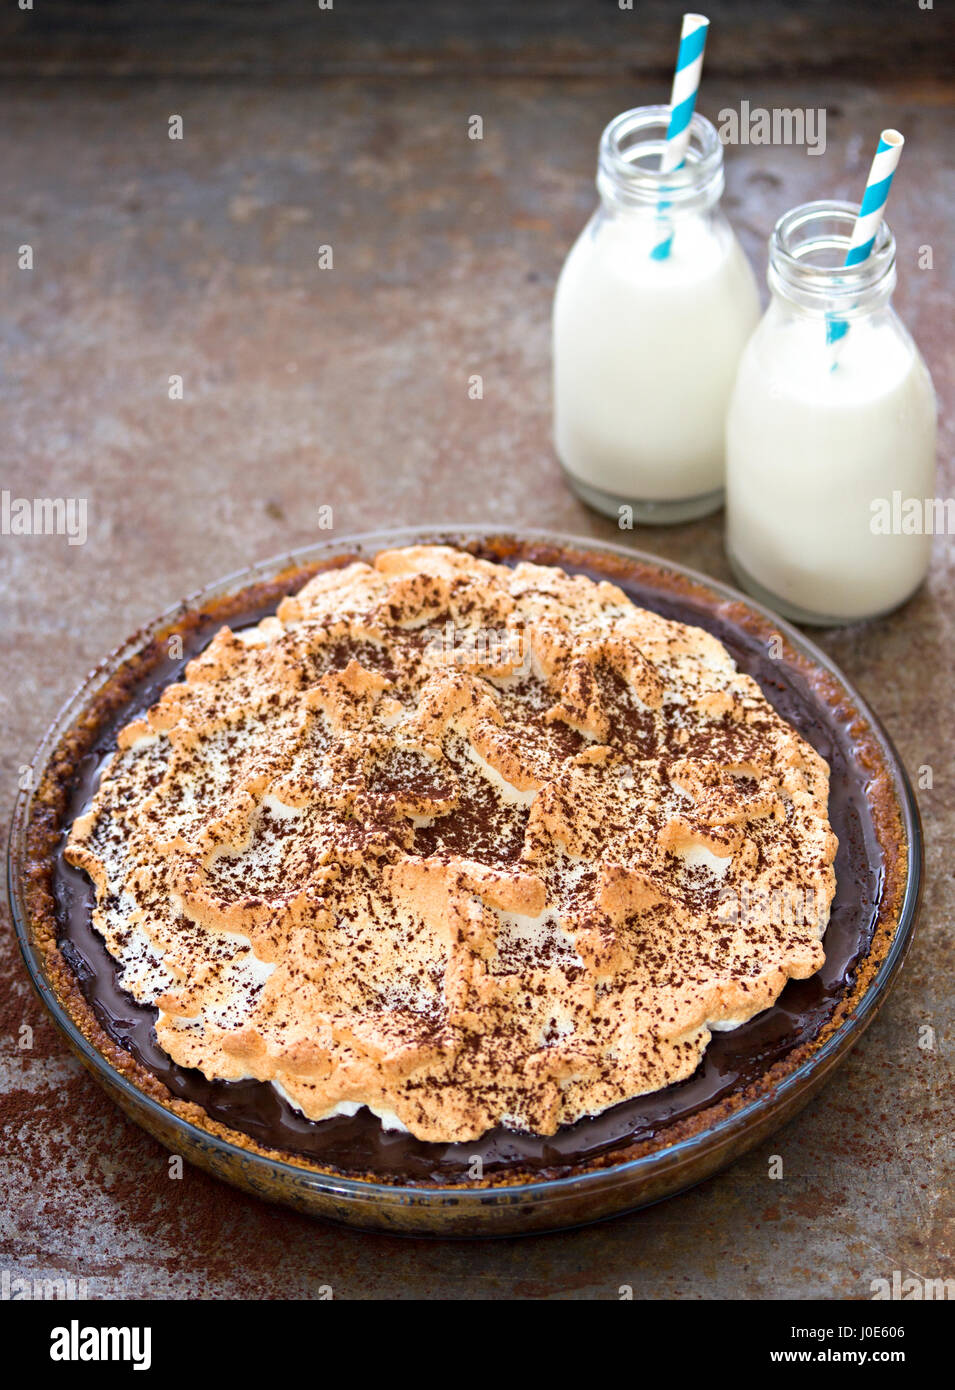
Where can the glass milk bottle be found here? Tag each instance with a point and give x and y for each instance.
(652, 309)
(832, 419)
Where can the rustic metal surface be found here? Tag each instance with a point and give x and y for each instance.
(348, 388)
(286, 38)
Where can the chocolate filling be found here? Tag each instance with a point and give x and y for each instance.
(358, 1144)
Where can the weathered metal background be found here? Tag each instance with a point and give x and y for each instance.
(243, 38)
(348, 387)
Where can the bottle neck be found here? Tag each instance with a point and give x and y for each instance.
(807, 269)
(629, 176)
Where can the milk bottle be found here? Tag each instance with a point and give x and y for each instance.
(823, 435)
(646, 344)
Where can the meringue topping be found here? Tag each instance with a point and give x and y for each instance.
(466, 844)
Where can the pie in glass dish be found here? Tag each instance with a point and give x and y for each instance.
(464, 866)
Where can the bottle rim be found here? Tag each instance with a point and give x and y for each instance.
(807, 251)
(628, 165)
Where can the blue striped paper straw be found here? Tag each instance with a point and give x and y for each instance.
(877, 187)
(686, 84)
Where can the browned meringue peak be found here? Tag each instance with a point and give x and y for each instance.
(465, 844)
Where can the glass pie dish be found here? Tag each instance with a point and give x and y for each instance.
(752, 1079)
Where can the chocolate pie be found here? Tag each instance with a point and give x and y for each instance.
(447, 856)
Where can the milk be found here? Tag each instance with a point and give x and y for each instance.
(645, 354)
(646, 344)
(819, 438)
